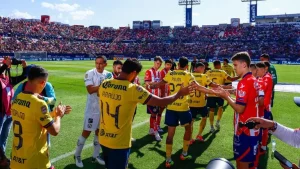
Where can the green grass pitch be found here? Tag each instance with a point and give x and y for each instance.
(67, 78)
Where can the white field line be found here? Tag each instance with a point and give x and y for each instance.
(54, 160)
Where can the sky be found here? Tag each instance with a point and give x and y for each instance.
(116, 13)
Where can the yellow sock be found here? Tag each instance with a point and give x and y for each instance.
(169, 150)
(220, 113)
(202, 126)
(186, 144)
(211, 117)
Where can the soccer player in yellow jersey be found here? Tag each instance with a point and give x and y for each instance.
(218, 76)
(31, 122)
(178, 111)
(229, 70)
(118, 100)
(197, 101)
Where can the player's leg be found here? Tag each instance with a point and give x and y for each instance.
(116, 158)
(171, 120)
(97, 147)
(158, 119)
(220, 103)
(204, 114)
(153, 110)
(7, 122)
(211, 103)
(185, 119)
(265, 133)
(194, 116)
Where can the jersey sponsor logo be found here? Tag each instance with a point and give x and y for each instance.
(242, 86)
(22, 102)
(143, 95)
(110, 135)
(241, 93)
(114, 86)
(44, 109)
(19, 160)
(113, 96)
(177, 73)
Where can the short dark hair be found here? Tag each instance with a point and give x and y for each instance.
(117, 62)
(168, 61)
(226, 60)
(260, 65)
(252, 65)
(199, 64)
(37, 72)
(131, 65)
(183, 61)
(158, 58)
(267, 64)
(217, 63)
(102, 57)
(266, 56)
(242, 57)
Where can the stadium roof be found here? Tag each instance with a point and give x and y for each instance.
(278, 16)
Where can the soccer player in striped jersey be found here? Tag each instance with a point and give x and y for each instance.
(151, 76)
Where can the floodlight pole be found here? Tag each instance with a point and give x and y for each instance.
(256, 3)
(188, 11)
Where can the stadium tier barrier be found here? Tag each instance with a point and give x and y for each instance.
(80, 57)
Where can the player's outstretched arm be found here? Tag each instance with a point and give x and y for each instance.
(155, 85)
(226, 95)
(202, 89)
(232, 78)
(157, 101)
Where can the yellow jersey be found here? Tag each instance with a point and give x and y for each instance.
(229, 70)
(118, 100)
(175, 79)
(197, 99)
(30, 118)
(217, 76)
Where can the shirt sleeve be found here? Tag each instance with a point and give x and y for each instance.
(140, 94)
(242, 94)
(147, 76)
(18, 91)
(50, 97)
(88, 78)
(42, 115)
(168, 77)
(288, 135)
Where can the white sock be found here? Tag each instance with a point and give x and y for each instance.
(97, 147)
(80, 144)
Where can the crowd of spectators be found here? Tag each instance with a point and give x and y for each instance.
(30, 35)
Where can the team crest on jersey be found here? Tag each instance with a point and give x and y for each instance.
(242, 86)
(44, 109)
(241, 93)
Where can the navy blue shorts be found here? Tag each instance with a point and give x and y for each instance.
(267, 115)
(173, 118)
(115, 158)
(245, 147)
(213, 102)
(199, 110)
(153, 109)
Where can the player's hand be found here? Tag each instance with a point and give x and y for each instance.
(184, 90)
(227, 86)
(40, 97)
(221, 92)
(262, 123)
(285, 167)
(68, 109)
